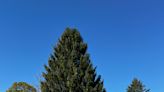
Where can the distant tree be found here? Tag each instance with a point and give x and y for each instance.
(137, 86)
(21, 87)
(69, 68)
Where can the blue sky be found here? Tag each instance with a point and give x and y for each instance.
(125, 39)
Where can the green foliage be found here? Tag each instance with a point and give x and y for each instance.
(69, 68)
(137, 86)
(21, 87)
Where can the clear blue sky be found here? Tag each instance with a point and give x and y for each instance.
(125, 39)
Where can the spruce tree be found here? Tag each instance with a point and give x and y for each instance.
(137, 86)
(69, 67)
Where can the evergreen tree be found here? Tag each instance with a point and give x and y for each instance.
(21, 87)
(137, 86)
(69, 68)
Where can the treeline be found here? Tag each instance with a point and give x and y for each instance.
(70, 69)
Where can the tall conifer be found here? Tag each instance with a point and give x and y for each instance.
(69, 67)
